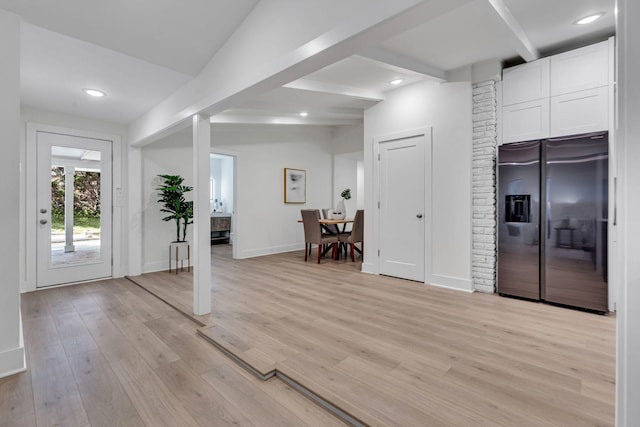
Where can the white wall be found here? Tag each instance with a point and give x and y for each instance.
(12, 358)
(348, 139)
(345, 175)
(172, 156)
(628, 202)
(447, 109)
(264, 223)
(348, 148)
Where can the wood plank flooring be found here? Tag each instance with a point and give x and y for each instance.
(389, 352)
(111, 354)
(395, 352)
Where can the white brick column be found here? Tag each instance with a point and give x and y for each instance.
(483, 267)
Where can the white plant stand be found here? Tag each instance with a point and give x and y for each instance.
(180, 251)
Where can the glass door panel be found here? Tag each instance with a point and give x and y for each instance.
(74, 209)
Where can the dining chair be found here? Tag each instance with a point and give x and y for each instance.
(357, 234)
(313, 234)
(331, 228)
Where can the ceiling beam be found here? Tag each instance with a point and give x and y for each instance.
(402, 64)
(248, 119)
(519, 39)
(335, 89)
(247, 66)
(340, 112)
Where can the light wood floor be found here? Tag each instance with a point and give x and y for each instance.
(387, 351)
(394, 352)
(111, 354)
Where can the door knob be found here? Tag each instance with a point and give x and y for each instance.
(419, 216)
(43, 211)
(43, 221)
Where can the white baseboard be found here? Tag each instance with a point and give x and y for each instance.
(251, 253)
(152, 267)
(450, 282)
(12, 362)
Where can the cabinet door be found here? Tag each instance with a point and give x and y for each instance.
(580, 112)
(525, 121)
(584, 68)
(526, 82)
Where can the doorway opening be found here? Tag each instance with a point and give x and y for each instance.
(222, 199)
(74, 209)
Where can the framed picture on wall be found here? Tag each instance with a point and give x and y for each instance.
(295, 185)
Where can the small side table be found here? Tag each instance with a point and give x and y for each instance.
(179, 251)
(559, 235)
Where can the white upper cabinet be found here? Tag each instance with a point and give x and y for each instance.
(580, 112)
(561, 95)
(526, 82)
(525, 121)
(580, 69)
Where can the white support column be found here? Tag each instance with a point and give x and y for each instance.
(201, 248)
(626, 219)
(69, 173)
(134, 192)
(485, 111)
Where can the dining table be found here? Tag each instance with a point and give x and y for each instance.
(326, 226)
(325, 223)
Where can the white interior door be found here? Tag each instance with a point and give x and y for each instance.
(402, 207)
(74, 210)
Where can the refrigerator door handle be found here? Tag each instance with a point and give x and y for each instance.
(615, 201)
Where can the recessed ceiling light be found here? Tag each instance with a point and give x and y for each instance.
(396, 81)
(94, 92)
(304, 113)
(589, 19)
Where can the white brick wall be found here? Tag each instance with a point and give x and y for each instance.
(483, 262)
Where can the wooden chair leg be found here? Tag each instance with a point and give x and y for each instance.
(319, 253)
(335, 251)
(353, 255)
(306, 249)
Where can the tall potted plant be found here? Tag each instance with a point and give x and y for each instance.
(171, 195)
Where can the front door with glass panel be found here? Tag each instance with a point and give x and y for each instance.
(74, 209)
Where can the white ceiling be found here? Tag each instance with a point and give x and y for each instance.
(180, 35)
(55, 68)
(140, 52)
(464, 36)
(549, 23)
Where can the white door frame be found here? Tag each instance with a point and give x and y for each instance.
(424, 132)
(30, 215)
(235, 247)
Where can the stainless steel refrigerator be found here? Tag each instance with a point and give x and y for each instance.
(552, 220)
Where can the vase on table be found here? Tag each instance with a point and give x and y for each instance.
(340, 212)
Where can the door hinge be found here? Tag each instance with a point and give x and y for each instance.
(378, 205)
(378, 156)
(378, 252)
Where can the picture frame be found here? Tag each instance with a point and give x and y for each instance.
(295, 185)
